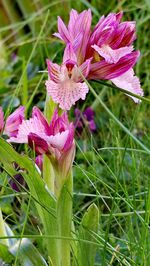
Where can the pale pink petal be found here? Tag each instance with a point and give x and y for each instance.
(58, 141)
(66, 93)
(112, 56)
(129, 82)
(53, 70)
(33, 125)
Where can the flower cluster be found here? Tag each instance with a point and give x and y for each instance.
(106, 52)
(56, 139)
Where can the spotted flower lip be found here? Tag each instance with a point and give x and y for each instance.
(54, 139)
(66, 85)
(109, 46)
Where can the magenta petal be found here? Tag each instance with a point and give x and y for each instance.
(103, 70)
(13, 122)
(70, 138)
(1, 119)
(69, 54)
(37, 143)
(39, 161)
(63, 31)
(37, 113)
(72, 21)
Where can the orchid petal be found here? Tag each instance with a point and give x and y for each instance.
(53, 70)
(63, 31)
(103, 70)
(69, 54)
(37, 143)
(67, 92)
(13, 121)
(129, 82)
(112, 56)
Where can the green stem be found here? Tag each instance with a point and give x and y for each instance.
(48, 173)
(64, 216)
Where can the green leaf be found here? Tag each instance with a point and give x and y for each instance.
(5, 255)
(64, 215)
(28, 254)
(87, 232)
(44, 200)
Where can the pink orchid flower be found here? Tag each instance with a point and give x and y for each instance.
(1, 119)
(110, 45)
(77, 33)
(54, 139)
(66, 85)
(13, 121)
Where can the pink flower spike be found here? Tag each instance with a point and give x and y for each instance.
(14, 121)
(130, 82)
(54, 139)
(1, 119)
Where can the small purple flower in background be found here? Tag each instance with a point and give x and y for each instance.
(14, 185)
(83, 119)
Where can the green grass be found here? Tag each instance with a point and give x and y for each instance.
(112, 166)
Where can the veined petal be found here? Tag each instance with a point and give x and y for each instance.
(70, 138)
(37, 113)
(129, 82)
(103, 70)
(72, 21)
(69, 54)
(66, 93)
(37, 143)
(13, 121)
(63, 31)
(84, 69)
(33, 125)
(53, 70)
(112, 56)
